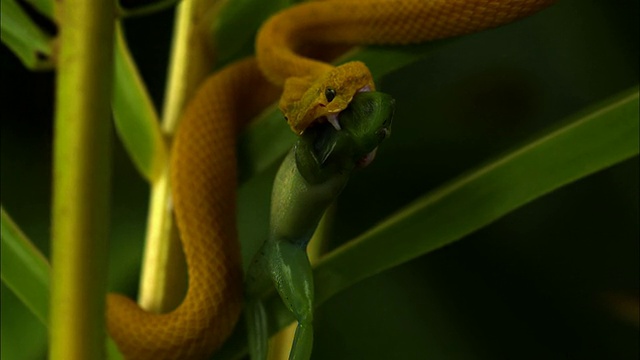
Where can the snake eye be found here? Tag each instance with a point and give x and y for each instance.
(330, 94)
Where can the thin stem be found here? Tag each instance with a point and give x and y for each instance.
(163, 284)
(191, 57)
(81, 180)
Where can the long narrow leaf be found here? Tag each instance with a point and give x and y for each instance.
(26, 272)
(588, 143)
(45, 7)
(112, 350)
(134, 114)
(24, 269)
(24, 37)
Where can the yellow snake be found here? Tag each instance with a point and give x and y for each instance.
(203, 164)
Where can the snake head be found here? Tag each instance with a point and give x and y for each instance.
(306, 101)
(323, 151)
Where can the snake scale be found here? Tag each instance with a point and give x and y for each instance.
(203, 163)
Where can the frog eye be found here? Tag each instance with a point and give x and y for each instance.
(330, 94)
(382, 134)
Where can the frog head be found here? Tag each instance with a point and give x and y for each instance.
(324, 151)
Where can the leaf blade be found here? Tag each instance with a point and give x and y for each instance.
(24, 269)
(589, 144)
(135, 117)
(25, 39)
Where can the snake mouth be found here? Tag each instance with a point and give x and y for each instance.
(332, 118)
(365, 88)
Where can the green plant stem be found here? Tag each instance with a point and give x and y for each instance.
(81, 180)
(163, 284)
(191, 58)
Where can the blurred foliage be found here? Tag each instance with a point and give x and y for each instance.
(24, 270)
(547, 281)
(30, 43)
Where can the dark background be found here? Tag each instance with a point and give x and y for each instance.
(557, 279)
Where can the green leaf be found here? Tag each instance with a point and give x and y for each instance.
(587, 143)
(24, 37)
(26, 272)
(112, 350)
(45, 7)
(134, 114)
(236, 27)
(24, 269)
(590, 142)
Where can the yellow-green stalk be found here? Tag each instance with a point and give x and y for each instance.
(81, 179)
(162, 284)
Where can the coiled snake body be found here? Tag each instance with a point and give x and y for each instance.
(203, 164)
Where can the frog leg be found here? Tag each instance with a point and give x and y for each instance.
(257, 329)
(291, 273)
